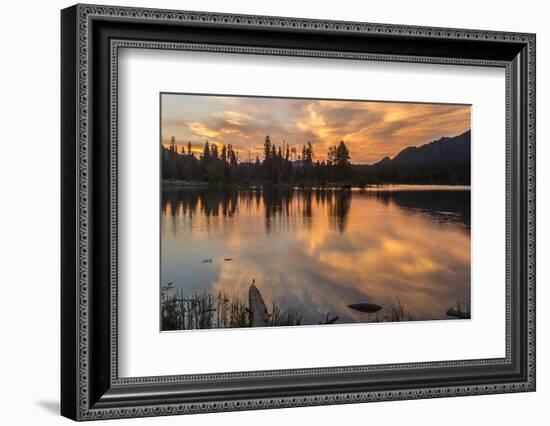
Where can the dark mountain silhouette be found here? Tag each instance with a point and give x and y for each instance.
(445, 150)
(443, 161)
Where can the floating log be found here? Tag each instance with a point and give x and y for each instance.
(452, 312)
(369, 308)
(259, 317)
(207, 260)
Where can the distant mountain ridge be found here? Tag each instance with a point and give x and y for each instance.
(444, 150)
(445, 161)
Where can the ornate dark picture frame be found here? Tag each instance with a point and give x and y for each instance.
(90, 385)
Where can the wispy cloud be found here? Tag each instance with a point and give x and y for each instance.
(372, 130)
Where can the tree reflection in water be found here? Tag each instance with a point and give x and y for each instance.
(321, 249)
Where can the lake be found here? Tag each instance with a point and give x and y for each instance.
(405, 248)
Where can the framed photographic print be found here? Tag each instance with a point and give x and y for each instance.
(263, 212)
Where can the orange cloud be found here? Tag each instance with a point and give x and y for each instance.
(372, 130)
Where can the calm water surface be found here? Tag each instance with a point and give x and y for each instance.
(319, 250)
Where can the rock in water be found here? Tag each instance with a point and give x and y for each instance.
(365, 307)
(258, 310)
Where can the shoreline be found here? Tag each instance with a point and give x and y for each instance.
(172, 183)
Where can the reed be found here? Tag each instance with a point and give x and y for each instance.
(394, 312)
(204, 310)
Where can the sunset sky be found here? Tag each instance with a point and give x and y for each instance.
(371, 130)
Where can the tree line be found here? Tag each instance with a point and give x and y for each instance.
(284, 164)
(280, 164)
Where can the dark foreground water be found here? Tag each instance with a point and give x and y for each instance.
(318, 250)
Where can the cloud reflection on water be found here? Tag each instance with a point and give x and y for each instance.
(320, 250)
